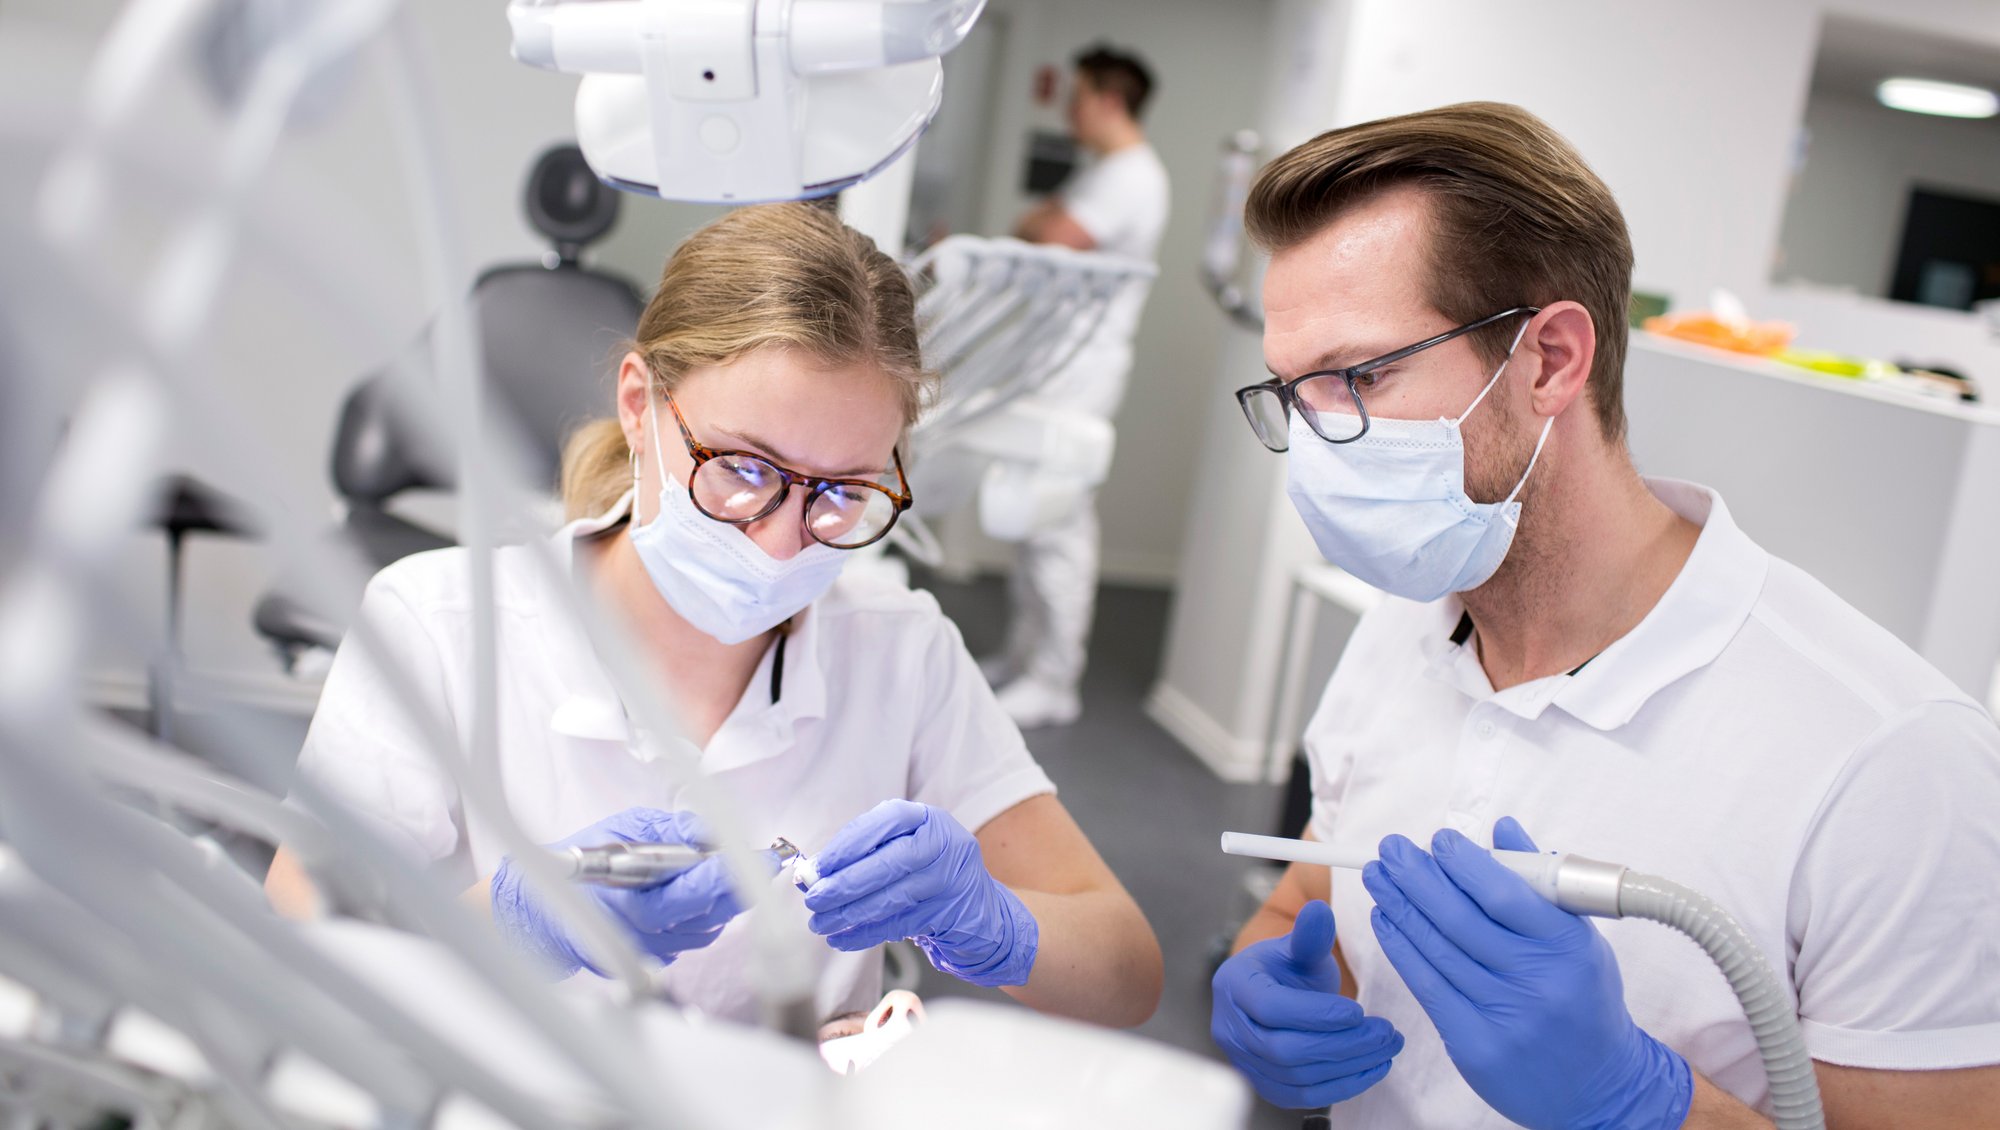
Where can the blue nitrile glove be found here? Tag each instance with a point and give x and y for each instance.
(908, 870)
(1279, 1018)
(686, 912)
(1527, 996)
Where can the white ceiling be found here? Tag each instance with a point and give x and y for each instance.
(1855, 55)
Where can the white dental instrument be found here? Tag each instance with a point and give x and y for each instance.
(1572, 882)
(629, 865)
(640, 865)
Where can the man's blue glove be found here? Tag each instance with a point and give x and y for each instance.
(908, 870)
(686, 912)
(1279, 1018)
(1527, 996)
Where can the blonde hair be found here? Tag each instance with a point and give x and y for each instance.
(766, 275)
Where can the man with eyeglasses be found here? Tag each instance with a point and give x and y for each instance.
(1598, 657)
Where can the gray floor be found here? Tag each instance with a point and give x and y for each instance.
(1152, 810)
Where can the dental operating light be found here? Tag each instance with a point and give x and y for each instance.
(741, 101)
(1944, 99)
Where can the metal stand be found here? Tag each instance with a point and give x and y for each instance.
(190, 507)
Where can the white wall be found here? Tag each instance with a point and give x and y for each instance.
(1209, 59)
(1691, 129)
(1845, 220)
(1216, 678)
(332, 206)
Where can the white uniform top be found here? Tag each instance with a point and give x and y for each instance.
(1121, 200)
(1754, 738)
(879, 700)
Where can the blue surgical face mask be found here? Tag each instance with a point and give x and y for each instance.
(1391, 507)
(713, 574)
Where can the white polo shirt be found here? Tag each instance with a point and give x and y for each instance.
(1121, 199)
(1754, 738)
(878, 700)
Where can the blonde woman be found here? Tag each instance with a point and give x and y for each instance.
(758, 418)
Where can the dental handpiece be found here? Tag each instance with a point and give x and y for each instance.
(629, 865)
(640, 865)
(1572, 882)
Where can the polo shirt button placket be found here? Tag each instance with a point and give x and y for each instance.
(1479, 754)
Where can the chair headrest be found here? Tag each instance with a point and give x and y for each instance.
(567, 203)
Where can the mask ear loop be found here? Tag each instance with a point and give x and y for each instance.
(659, 460)
(1508, 360)
(1546, 428)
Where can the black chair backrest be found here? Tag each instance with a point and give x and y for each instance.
(376, 455)
(549, 337)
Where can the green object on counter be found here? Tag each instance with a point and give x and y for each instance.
(1831, 364)
(1645, 305)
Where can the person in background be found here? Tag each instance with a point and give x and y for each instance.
(1116, 203)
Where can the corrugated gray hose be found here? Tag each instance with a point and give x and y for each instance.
(1794, 1088)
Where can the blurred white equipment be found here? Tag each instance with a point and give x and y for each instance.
(735, 101)
(1062, 1073)
(1222, 254)
(851, 1044)
(1000, 319)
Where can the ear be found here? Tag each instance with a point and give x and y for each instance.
(635, 383)
(1564, 338)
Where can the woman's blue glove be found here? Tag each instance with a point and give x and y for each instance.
(908, 870)
(1527, 996)
(686, 912)
(1279, 1017)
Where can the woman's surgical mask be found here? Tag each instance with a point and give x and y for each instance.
(713, 574)
(1391, 506)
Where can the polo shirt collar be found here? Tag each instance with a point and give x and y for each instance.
(592, 708)
(1451, 657)
(1695, 619)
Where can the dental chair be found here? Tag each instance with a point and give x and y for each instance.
(542, 326)
(1000, 319)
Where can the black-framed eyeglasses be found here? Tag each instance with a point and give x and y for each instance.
(1331, 399)
(740, 487)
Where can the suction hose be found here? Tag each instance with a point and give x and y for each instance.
(1611, 890)
(1794, 1088)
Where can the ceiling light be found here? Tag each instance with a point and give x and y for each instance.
(1949, 99)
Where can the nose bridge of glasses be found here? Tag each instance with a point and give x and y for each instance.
(781, 530)
(1332, 407)
(803, 497)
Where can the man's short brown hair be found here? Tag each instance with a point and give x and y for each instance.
(1118, 72)
(1518, 219)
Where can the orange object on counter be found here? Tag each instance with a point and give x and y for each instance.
(1760, 338)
